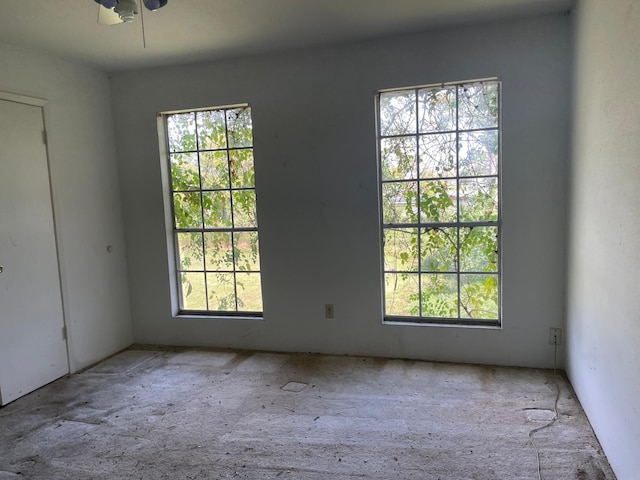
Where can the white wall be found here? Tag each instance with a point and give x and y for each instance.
(604, 271)
(314, 132)
(86, 195)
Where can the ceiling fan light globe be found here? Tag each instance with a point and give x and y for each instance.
(127, 17)
(154, 5)
(127, 10)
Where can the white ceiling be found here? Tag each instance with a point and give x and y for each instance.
(194, 30)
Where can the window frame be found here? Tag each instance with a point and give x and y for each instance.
(393, 319)
(170, 218)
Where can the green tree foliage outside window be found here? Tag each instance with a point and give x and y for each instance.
(439, 169)
(214, 210)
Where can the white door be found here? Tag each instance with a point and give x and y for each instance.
(33, 351)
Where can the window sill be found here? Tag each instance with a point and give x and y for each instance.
(215, 316)
(439, 322)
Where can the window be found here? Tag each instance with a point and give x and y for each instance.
(213, 203)
(439, 153)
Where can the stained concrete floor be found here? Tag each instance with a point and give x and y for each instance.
(150, 413)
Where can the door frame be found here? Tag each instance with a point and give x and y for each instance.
(43, 105)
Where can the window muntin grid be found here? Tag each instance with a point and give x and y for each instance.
(214, 211)
(439, 151)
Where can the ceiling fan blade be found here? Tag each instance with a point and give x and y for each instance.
(108, 16)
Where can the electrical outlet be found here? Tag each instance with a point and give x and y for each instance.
(328, 310)
(555, 336)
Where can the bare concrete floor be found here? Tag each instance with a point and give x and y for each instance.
(193, 414)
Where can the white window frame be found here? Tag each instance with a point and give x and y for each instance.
(458, 225)
(170, 219)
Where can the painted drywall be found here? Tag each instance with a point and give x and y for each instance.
(86, 197)
(603, 322)
(315, 149)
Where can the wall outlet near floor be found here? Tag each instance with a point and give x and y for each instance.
(555, 336)
(328, 310)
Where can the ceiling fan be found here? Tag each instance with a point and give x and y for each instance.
(114, 12)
